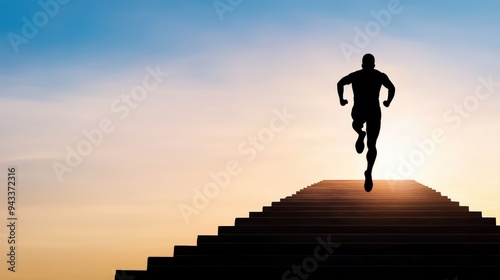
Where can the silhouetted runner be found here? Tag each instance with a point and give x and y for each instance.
(366, 84)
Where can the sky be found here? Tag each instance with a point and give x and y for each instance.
(135, 126)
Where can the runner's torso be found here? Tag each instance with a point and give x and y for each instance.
(366, 84)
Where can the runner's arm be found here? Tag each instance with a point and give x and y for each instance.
(340, 89)
(392, 91)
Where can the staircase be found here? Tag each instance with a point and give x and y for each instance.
(335, 230)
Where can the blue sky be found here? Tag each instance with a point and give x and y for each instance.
(227, 79)
(94, 30)
(106, 36)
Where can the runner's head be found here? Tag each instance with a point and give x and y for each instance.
(368, 61)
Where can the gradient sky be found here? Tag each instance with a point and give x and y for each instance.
(231, 78)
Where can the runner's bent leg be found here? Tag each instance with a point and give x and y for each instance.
(358, 119)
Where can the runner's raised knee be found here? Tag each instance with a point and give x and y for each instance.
(357, 125)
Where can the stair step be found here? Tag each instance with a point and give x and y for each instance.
(373, 213)
(375, 229)
(365, 221)
(415, 248)
(328, 259)
(328, 197)
(444, 207)
(310, 272)
(350, 238)
(363, 203)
